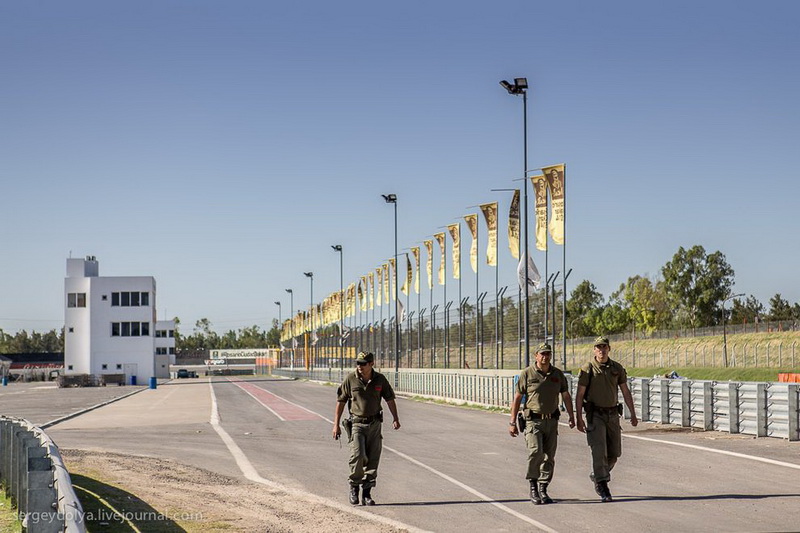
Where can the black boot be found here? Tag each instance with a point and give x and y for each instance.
(367, 496)
(535, 498)
(605, 493)
(353, 494)
(543, 494)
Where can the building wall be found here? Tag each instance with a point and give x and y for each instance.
(89, 343)
(165, 344)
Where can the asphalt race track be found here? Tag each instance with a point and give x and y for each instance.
(450, 468)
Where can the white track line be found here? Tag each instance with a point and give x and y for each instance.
(459, 484)
(250, 473)
(713, 450)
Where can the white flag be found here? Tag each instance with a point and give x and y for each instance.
(314, 338)
(401, 311)
(534, 278)
(294, 342)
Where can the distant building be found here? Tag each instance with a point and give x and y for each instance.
(165, 347)
(109, 322)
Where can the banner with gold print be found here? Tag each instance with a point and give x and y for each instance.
(555, 179)
(407, 281)
(472, 224)
(429, 264)
(415, 252)
(379, 287)
(386, 283)
(490, 215)
(455, 234)
(440, 239)
(540, 193)
(393, 262)
(513, 226)
(371, 290)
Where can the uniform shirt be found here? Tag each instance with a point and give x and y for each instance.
(366, 397)
(542, 389)
(606, 378)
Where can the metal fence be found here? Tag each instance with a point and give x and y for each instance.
(34, 476)
(761, 409)
(489, 335)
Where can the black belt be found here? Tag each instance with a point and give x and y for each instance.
(364, 419)
(541, 416)
(606, 409)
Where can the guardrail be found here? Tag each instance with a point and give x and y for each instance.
(35, 478)
(760, 409)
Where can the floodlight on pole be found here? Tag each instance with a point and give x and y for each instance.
(520, 86)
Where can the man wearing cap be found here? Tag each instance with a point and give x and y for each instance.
(363, 390)
(542, 383)
(598, 382)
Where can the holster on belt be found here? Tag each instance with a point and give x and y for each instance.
(588, 408)
(347, 425)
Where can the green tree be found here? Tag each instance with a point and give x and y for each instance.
(746, 311)
(779, 309)
(696, 284)
(647, 303)
(582, 307)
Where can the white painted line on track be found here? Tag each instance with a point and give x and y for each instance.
(461, 485)
(713, 450)
(250, 473)
(267, 407)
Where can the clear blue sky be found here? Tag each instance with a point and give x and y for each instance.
(222, 147)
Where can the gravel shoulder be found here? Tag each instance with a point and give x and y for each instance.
(197, 500)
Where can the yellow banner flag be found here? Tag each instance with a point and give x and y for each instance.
(513, 226)
(429, 265)
(351, 299)
(540, 191)
(455, 234)
(472, 224)
(393, 262)
(371, 289)
(362, 293)
(555, 179)
(407, 282)
(386, 283)
(415, 251)
(440, 239)
(379, 291)
(490, 215)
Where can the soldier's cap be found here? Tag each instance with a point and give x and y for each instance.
(365, 357)
(544, 348)
(601, 340)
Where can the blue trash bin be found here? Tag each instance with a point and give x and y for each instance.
(153, 382)
(133, 380)
(5, 381)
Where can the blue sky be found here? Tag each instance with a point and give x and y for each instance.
(222, 147)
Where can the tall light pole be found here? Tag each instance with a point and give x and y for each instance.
(310, 276)
(392, 199)
(338, 248)
(724, 334)
(291, 323)
(520, 86)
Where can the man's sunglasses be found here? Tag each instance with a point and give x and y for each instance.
(361, 364)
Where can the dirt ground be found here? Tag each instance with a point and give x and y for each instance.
(198, 500)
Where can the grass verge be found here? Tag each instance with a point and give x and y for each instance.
(8, 515)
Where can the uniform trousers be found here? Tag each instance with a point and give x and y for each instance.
(366, 445)
(604, 437)
(541, 436)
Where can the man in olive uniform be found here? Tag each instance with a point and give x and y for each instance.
(542, 383)
(363, 390)
(597, 394)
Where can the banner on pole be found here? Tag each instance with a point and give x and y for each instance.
(490, 214)
(455, 234)
(415, 251)
(472, 224)
(513, 226)
(429, 247)
(440, 239)
(540, 192)
(555, 180)
(534, 278)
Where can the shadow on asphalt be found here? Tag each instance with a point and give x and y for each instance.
(617, 499)
(221, 380)
(110, 509)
